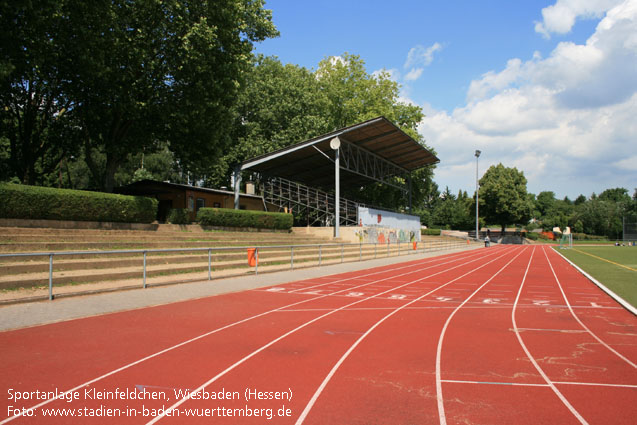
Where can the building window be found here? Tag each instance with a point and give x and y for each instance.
(242, 207)
(191, 203)
(217, 204)
(201, 203)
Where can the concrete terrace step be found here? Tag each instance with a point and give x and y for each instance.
(74, 272)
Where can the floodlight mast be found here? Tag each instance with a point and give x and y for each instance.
(477, 154)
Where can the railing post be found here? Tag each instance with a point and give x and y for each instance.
(375, 246)
(342, 252)
(292, 257)
(360, 251)
(209, 264)
(398, 247)
(319, 255)
(388, 247)
(50, 277)
(144, 269)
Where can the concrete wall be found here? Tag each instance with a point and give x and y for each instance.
(365, 234)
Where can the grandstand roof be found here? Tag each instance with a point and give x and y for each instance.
(375, 141)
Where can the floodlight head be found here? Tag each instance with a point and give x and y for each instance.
(478, 153)
(335, 143)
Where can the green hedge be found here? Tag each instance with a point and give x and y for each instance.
(225, 217)
(179, 216)
(430, 232)
(45, 203)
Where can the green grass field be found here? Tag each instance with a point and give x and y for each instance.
(614, 266)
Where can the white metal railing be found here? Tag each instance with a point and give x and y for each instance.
(386, 249)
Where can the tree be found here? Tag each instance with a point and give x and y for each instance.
(280, 105)
(286, 104)
(34, 77)
(126, 74)
(503, 196)
(353, 96)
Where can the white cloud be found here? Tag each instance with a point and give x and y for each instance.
(414, 74)
(393, 74)
(420, 55)
(560, 17)
(569, 121)
(628, 164)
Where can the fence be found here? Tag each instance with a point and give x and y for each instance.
(266, 257)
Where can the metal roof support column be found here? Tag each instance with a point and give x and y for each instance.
(335, 144)
(337, 192)
(236, 177)
(409, 181)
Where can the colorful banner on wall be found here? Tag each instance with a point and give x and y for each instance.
(379, 226)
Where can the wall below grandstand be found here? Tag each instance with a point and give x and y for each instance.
(365, 234)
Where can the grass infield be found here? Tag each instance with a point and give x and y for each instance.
(613, 266)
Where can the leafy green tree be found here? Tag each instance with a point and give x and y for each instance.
(280, 105)
(126, 74)
(545, 201)
(34, 102)
(286, 104)
(503, 196)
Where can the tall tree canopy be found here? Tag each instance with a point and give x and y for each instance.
(286, 104)
(503, 196)
(120, 76)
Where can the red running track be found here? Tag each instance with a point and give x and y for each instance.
(506, 335)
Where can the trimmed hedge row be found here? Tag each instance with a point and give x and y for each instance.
(46, 203)
(226, 217)
(430, 232)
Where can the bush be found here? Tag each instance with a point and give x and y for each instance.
(45, 203)
(585, 237)
(430, 232)
(179, 216)
(225, 217)
(532, 235)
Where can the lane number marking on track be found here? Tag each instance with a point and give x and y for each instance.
(491, 300)
(444, 299)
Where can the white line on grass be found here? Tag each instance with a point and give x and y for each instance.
(578, 319)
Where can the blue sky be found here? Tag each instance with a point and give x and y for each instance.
(549, 87)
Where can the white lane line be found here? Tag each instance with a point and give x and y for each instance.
(530, 357)
(411, 264)
(578, 319)
(183, 343)
(274, 341)
(521, 384)
(596, 384)
(336, 366)
(513, 384)
(441, 406)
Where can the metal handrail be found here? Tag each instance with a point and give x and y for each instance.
(144, 252)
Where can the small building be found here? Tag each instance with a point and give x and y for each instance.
(173, 195)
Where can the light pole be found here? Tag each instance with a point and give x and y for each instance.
(477, 202)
